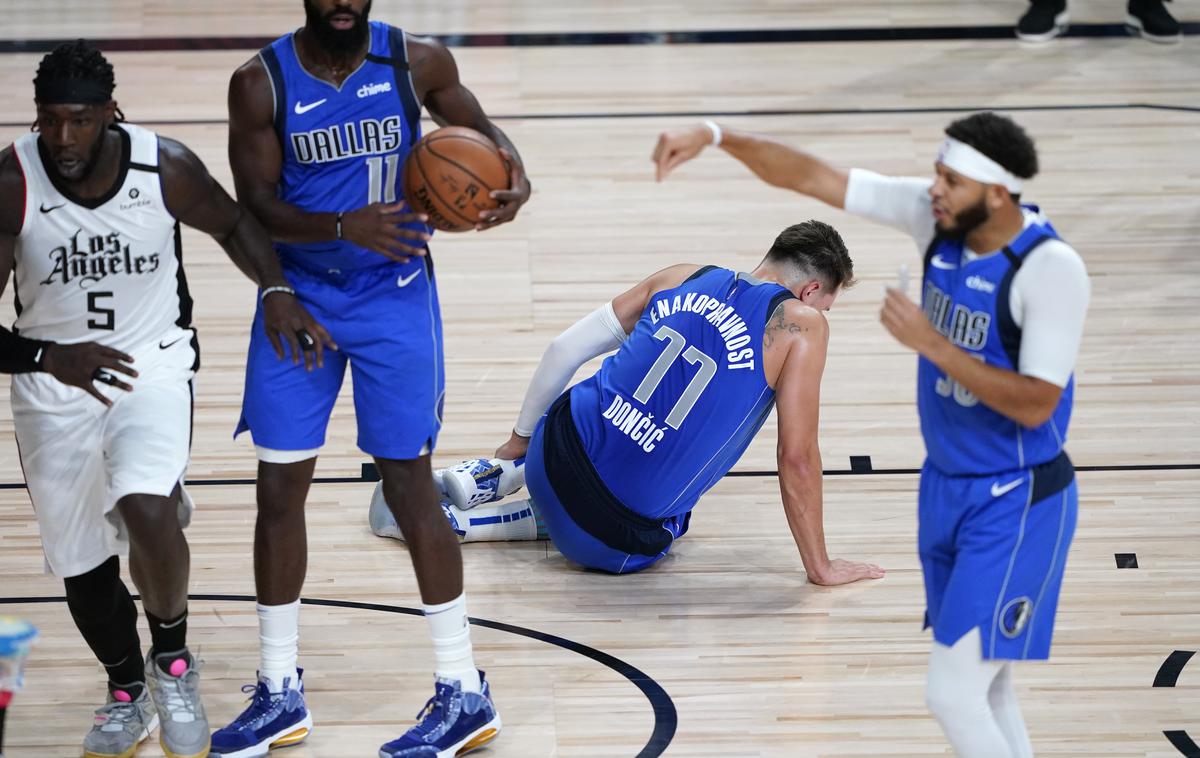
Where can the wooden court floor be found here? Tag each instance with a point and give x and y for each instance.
(726, 634)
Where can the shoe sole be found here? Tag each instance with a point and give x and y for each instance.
(477, 739)
(1134, 26)
(131, 751)
(293, 735)
(1061, 22)
(203, 753)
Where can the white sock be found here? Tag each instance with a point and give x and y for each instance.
(279, 643)
(504, 522)
(957, 693)
(451, 634)
(1007, 710)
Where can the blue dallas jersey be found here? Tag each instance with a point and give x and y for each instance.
(968, 302)
(671, 412)
(343, 147)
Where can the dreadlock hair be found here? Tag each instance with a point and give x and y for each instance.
(80, 64)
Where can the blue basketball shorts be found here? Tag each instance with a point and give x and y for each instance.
(993, 550)
(388, 328)
(569, 538)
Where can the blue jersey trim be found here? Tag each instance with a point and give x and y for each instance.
(270, 60)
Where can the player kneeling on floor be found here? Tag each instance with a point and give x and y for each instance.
(615, 464)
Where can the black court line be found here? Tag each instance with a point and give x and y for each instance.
(765, 473)
(592, 39)
(751, 113)
(1183, 743)
(1172, 667)
(666, 718)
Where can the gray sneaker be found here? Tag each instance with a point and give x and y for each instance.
(183, 726)
(120, 726)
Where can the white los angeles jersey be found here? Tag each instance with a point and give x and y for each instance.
(107, 270)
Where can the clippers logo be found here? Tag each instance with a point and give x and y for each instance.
(374, 88)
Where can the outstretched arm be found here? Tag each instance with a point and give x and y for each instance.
(196, 199)
(797, 403)
(775, 163)
(601, 331)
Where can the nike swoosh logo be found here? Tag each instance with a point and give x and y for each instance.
(938, 262)
(44, 209)
(1003, 489)
(302, 109)
(404, 280)
(161, 346)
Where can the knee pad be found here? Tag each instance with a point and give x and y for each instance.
(99, 599)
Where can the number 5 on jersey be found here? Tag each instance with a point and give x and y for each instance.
(109, 314)
(675, 346)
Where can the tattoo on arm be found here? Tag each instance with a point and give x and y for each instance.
(779, 325)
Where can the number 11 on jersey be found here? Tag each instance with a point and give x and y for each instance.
(379, 190)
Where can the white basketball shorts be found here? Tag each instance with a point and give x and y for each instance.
(80, 457)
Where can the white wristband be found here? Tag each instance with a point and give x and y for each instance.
(277, 288)
(716, 132)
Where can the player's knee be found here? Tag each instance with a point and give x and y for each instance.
(283, 488)
(951, 701)
(149, 518)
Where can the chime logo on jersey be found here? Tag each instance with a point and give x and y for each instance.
(958, 323)
(89, 259)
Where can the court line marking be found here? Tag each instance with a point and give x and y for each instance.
(666, 718)
(765, 473)
(818, 35)
(752, 113)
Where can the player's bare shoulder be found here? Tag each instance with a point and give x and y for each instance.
(250, 92)
(791, 321)
(12, 192)
(431, 64)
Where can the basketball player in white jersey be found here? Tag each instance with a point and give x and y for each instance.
(1004, 305)
(103, 355)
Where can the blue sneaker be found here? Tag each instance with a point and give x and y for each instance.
(453, 723)
(274, 719)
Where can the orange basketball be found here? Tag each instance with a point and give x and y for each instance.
(450, 174)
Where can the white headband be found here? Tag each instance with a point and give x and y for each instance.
(973, 164)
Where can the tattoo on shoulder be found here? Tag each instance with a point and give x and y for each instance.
(779, 325)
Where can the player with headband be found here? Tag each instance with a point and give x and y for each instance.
(1004, 300)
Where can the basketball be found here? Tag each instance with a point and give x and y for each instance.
(450, 174)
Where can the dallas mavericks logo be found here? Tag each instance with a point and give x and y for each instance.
(1014, 617)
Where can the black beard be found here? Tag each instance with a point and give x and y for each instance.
(338, 42)
(968, 220)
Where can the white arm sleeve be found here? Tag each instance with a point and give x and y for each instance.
(899, 202)
(1049, 300)
(595, 334)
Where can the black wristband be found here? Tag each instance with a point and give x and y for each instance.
(20, 355)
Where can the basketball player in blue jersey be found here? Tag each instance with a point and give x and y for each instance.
(103, 354)
(618, 462)
(320, 124)
(1004, 300)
